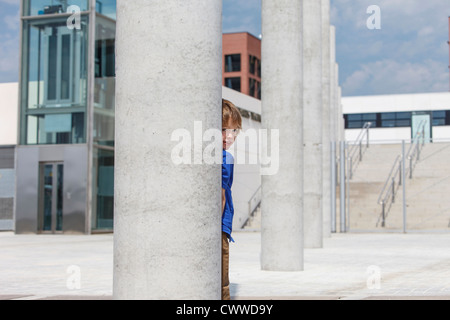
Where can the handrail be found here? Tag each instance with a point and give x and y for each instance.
(387, 194)
(389, 190)
(414, 150)
(390, 176)
(254, 202)
(358, 146)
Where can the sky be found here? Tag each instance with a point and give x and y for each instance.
(408, 53)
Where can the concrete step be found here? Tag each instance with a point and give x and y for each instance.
(254, 223)
(427, 193)
(428, 203)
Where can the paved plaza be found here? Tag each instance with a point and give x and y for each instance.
(349, 266)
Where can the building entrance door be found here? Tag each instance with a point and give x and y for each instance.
(417, 121)
(50, 210)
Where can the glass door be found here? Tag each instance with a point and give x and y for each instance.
(421, 122)
(51, 178)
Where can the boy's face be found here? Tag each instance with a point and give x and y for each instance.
(229, 134)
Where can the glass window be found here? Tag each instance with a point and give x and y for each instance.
(388, 116)
(402, 123)
(41, 7)
(403, 115)
(439, 118)
(104, 82)
(56, 60)
(354, 124)
(54, 78)
(369, 117)
(252, 64)
(388, 123)
(67, 128)
(354, 117)
(251, 87)
(233, 83)
(258, 93)
(106, 8)
(232, 62)
(358, 120)
(258, 69)
(396, 119)
(103, 189)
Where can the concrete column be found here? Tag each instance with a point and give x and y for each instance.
(337, 113)
(326, 138)
(281, 206)
(332, 117)
(333, 85)
(340, 113)
(312, 124)
(167, 231)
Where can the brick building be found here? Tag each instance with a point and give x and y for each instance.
(242, 63)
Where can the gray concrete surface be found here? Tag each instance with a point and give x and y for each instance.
(349, 266)
(281, 115)
(174, 95)
(312, 124)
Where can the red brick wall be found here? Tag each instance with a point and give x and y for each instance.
(244, 44)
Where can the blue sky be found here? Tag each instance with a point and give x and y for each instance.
(408, 54)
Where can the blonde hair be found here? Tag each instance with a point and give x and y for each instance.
(229, 111)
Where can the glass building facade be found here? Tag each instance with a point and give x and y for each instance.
(65, 156)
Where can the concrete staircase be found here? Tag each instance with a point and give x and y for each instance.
(254, 222)
(427, 193)
(367, 183)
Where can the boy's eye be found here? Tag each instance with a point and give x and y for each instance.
(233, 131)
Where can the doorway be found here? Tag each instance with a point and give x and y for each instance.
(418, 120)
(50, 212)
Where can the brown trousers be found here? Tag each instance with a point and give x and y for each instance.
(225, 267)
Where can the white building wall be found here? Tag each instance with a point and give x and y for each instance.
(397, 103)
(247, 178)
(8, 113)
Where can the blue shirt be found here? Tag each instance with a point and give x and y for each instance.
(227, 182)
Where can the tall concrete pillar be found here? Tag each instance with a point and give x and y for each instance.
(282, 81)
(312, 124)
(326, 138)
(332, 118)
(341, 114)
(167, 231)
(333, 85)
(337, 113)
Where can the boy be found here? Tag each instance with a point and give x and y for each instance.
(231, 125)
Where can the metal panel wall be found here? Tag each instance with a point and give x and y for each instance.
(27, 174)
(74, 158)
(75, 189)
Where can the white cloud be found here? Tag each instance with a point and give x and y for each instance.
(9, 40)
(9, 58)
(13, 21)
(242, 16)
(12, 2)
(408, 54)
(389, 76)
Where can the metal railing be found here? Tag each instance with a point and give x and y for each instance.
(357, 149)
(395, 177)
(254, 203)
(387, 194)
(413, 154)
